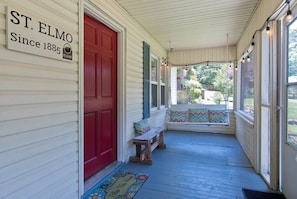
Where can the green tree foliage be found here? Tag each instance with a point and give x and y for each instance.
(217, 77)
(292, 53)
(206, 74)
(190, 74)
(292, 58)
(223, 82)
(217, 97)
(193, 91)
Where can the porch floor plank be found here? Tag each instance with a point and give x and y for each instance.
(198, 165)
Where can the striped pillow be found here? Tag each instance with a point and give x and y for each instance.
(198, 115)
(142, 126)
(178, 116)
(218, 116)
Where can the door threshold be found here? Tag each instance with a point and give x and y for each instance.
(93, 180)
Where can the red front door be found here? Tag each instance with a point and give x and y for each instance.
(100, 96)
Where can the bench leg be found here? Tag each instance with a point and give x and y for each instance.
(139, 156)
(144, 157)
(138, 149)
(148, 153)
(161, 141)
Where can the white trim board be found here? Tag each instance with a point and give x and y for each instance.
(94, 11)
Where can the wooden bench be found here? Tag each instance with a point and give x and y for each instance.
(151, 139)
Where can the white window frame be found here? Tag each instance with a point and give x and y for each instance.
(288, 84)
(159, 83)
(162, 84)
(249, 116)
(154, 82)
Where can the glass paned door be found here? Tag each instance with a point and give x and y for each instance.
(265, 108)
(269, 137)
(265, 143)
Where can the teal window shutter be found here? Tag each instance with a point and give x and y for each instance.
(146, 80)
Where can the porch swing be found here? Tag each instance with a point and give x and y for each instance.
(201, 118)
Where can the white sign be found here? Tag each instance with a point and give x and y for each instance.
(31, 35)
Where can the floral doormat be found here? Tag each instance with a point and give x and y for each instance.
(122, 185)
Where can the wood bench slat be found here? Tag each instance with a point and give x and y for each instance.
(149, 134)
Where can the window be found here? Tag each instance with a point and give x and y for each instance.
(146, 80)
(292, 84)
(158, 74)
(209, 83)
(162, 84)
(154, 82)
(247, 87)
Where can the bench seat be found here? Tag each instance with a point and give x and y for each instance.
(149, 134)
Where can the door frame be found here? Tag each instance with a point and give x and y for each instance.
(288, 156)
(89, 8)
(274, 141)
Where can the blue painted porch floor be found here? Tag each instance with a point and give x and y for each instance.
(197, 165)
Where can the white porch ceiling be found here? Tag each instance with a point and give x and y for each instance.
(192, 24)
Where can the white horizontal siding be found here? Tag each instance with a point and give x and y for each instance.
(18, 170)
(27, 97)
(57, 187)
(39, 175)
(34, 149)
(39, 111)
(27, 124)
(30, 84)
(158, 118)
(24, 58)
(246, 136)
(34, 110)
(195, 56)
(36, 71)
(34, 136)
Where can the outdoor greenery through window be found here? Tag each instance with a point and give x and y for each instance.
(205, 84)
(292, 84)
(247, 87)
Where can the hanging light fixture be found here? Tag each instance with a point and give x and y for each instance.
(289, 15)
(164, 62)
(228, 50)
(253, 40)
(248, 59)
(289, 12)
(267, 27)
(242, 58)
